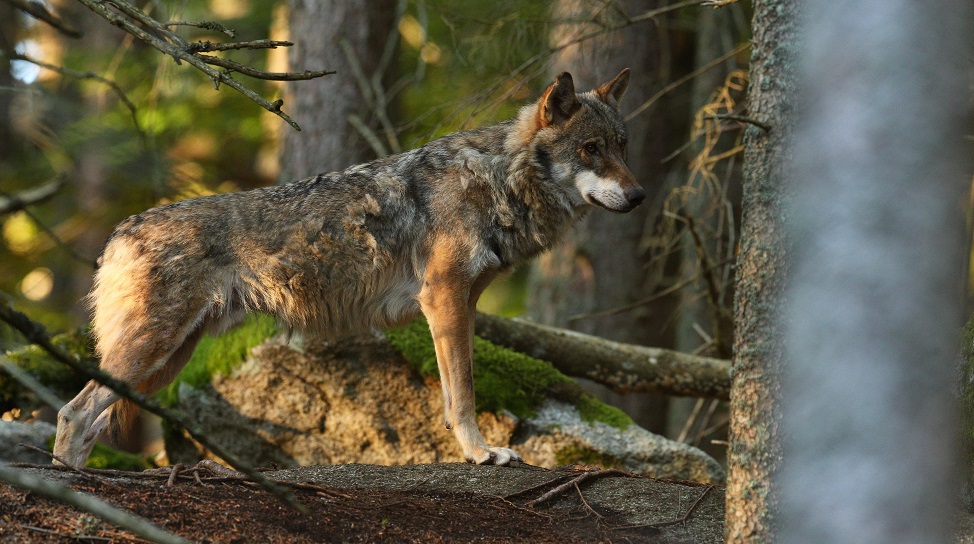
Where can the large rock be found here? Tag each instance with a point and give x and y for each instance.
(14, 433)
(360, 401)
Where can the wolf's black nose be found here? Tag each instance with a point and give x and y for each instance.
(635, 195)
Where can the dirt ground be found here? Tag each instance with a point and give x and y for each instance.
(418, 510)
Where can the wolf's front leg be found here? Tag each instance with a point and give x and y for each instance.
(448, 301)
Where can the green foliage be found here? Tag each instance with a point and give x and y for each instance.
(506, 379)
(220, 354)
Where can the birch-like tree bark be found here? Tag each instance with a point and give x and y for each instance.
(874, 304)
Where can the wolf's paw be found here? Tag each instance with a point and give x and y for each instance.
(493, 455)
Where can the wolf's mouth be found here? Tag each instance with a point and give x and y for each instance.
(625, 208)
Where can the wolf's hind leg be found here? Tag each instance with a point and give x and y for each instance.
(76, 433)
(146, 368)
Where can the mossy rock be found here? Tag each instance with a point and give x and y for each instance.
(57, 376)
(505, 379)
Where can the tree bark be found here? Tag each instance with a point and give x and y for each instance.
(755, 442)
(877, 291)
(623, 368)
(327, 141)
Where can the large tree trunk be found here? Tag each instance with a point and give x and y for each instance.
(875, 300)
(318, 28)
(755, 446)
(600, 264)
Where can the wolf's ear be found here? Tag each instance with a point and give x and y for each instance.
(558, 103)
(611, 93)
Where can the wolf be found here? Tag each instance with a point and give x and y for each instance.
(373, 246)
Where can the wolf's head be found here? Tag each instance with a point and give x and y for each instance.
(582, 138)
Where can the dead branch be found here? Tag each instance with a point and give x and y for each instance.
(208, 46)
(260, 74)
(576, 481)
(681, 520)
(207, 25)
(127, 17)
(90, 504)
(40, 12)
(36, 334)
(624, 368)
(27, 380)
(10, 203)
(741, 119)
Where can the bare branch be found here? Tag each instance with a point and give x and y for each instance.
(208, 25)
(208, 46)
(260, 74)
(27, 380)
(740, 118)
(652, 100)
(40, 12)
(90, 504)
(128, 17)
(36, 334)
(17, 201)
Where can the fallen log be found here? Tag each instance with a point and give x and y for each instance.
(624, 368)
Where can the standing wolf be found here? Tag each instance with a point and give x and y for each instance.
(425, 231)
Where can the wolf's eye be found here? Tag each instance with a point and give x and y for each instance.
(591, 148)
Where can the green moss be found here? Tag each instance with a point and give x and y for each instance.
(55, 375)
(504, 378)
(103, 456)
(592, 409)
(221, 354)
(581, 455)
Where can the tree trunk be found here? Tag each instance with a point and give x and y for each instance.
(318, 28)
(877, 291)
(600, 264)
(755, 446)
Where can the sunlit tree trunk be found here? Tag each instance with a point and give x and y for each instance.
(601, 264)
(875, 300)
(318, 28)
(755, 439)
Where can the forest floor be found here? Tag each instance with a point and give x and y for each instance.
(368, 503)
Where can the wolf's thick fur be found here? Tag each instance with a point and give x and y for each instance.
(424, 231)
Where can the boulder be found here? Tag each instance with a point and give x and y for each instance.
(369, 400)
